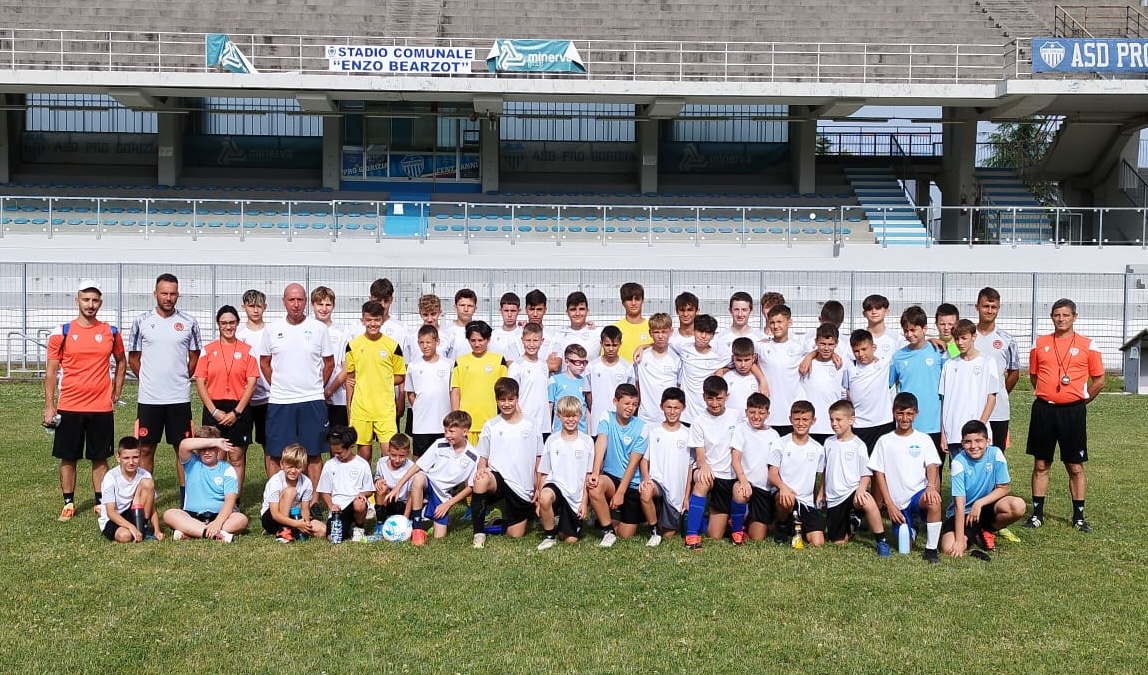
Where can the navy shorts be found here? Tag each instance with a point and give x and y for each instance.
(303, 423)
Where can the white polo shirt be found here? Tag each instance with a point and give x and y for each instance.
(297, 352)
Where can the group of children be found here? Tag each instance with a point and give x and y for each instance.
(735, 433)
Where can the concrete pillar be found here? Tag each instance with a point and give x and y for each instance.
(647, 134)
(169, 145)
(332, 152)
(9, 130)
(488, 153)
(959, 143)
(923, 194)
(803, 152)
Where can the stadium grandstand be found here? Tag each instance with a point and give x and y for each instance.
(511, 137)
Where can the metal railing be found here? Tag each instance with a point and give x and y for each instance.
(1133, 185)
(876, 142)
(44, 49)
(1086, 21)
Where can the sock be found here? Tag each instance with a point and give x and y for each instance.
(69, 497)
(1077, 509)
(1038, 506)
(380, 513)
(551, 533)
(608, 528)
(932, 535)
(182, 495)
(100, 500)
(879, 536)
(737, 517)
(478, 513)
(697, 511)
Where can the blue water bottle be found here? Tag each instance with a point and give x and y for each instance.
(904, 539)
(336, 527)
(296, 513)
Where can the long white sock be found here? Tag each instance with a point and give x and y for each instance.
(932, 535)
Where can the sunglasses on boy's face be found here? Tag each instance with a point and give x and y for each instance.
(577, 362)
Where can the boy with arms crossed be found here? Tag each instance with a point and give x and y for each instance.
(981, 503)
(565, 467)
(618, 449)
(710, 436)
(752, 445)
(916, 369)
(376, 363)
(847, 481)
(475, 373)
(666, 468)
(794, 465)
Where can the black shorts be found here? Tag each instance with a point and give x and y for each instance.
(157, 421)
(110, 528)
(1066, 425)
(811, 519)
(869, 435)
(669, 518)
(762, 507)
(337, 414)
(269, 524)
(569, 524)
(515, 509)
(631, 511)
(1000, 433)
(395, 508)
(237, 434)
(420, 443)
(83, 435)
(837, 519)
(720, 497)
(204, 517)
(984, 519)
(259, 421)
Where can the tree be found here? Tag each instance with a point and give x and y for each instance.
(1021, 146)
(824, 145)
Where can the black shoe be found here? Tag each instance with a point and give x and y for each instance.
(1081, 525)
(979, 555)
(1034, 521)
(930, 556)
(316, 513)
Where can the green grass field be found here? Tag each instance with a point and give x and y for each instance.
(1059, 601)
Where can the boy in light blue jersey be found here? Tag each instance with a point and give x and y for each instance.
(569, 383)
(981, 504)
(619, 445)
(916, 369)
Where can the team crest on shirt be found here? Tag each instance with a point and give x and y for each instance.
(307, 334)
(218, 480)
(1073, 350)
(440, 373)
(178, 327)
(525, 433)
(354, 473)
(977, 370)
(99, 337)
(237, 355)
(626, 440)
(579, 453)
(1046, 349)
(997, 344)
(929, 361)
(382, 353)
(488, 369)
(681, 445)
(810, 456)
(915, 450)
(849, 457)
(645, 337)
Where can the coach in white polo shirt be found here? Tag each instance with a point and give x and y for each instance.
(296, 359)
(162, 352)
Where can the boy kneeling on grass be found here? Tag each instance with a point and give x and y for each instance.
(288, 497)
(981, 502)
(129, 498)
(212, 491)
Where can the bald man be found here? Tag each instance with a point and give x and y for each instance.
(296, 359)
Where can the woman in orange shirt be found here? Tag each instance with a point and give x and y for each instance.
(225, 378)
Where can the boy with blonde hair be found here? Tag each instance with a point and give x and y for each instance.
(566, 464)
(286, 492)
(658, 369)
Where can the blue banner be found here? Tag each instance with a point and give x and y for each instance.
(375, 162)
(1089, 55)
(534, 56)
(221, 52)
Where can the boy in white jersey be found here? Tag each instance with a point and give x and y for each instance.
(579, 331)
(780, 358)
(752, 445)
(906, 471)
(427, 390)
(699, 361)
(866, 383)
(657, 370)
(533, 377)
(875, 308)
(505, 337)
(741, 380)
(430, 310)
(710, 436)
(509, 448)
(440, 478)
(740, 312)
(824, 384)
(389, 470)
(666, 468)
(250, 333)
(290, 489)
(322, 307)
(847, 480)
(603, 375)
(796, 462)
(969, 385)
(686, 307)
(465, 305)
(1000, 347)
(345, 483)
(566, 464)
(128, 493)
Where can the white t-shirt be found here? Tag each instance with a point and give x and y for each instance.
(585, 336)
(566, 463)
(506, 341)
(392, 477)
(823, 386)
(713, 434)
(297, 353)
(799, 466)
(164, 343)
(696, 367)
(965, 387)
(340, 336)
(512, 449)
(1000, 346)
(779, 362)
(740, 387)
(756, 447)
(430, 382)
(345, 480)
(254, 339)
(397, 331)
(118, 492)
(846, 462)
(655, 373)
(455, 336)
(517, 352)
(304, 491)
(886, 346)
(445, 468)
(670, 459)
(603, 379)
(677, 340)
(723, 341)
(533, 379)
(903, 460)
(868, 388)
(843, 350)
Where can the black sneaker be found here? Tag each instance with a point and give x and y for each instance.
(316, 513)
(1034, 521)
(930, 556)
(1081, 525)
(979, 555)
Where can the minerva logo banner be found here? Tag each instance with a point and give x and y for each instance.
(534, 56)
(1089, 55)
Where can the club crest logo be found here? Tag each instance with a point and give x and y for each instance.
(998, 344)
(1052, 53)
(99, 338)
(218, 480)
(178, 327)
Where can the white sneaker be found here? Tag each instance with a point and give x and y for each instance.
(479, 540)
(358, 534)
(608, 540)
(547, 542)
(178, 535)
(654, 540)
(226, 537)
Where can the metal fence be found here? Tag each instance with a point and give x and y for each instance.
(38, 296)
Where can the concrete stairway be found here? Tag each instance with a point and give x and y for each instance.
(891, 215)
(1005, 189)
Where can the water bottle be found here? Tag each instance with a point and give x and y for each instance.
(336, 527)
(798, 542)
(904, 539)
(51, 428)
(296, 513)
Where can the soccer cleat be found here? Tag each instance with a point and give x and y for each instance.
(694, 542)
(1081, 525)
(930, 556)
(979, 555)
(284, 536)
(854, 522)
(654, 540)
(1008, 535)
(1034, 521)
(479, 540)
(987, 540)
(67, 513)
(883, 549)
(418, 537)
(225, 537)
(608, 540)
(547, 542)
(465, 516)
(178, 535)
(738, 538)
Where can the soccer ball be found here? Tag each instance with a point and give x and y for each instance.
(397, 528)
